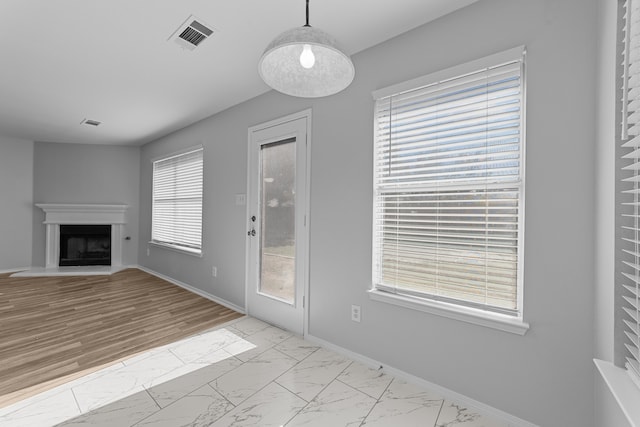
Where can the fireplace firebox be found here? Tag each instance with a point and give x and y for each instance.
(85, 244)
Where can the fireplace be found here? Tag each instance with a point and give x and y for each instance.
(94, 224)
(85, 245)
(81, 240)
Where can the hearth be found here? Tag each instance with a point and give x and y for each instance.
(86, 244)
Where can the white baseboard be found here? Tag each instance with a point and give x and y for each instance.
(444, 392)
(193, 289)
(14, 270)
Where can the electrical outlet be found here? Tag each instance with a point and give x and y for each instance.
(355, 313)
(214, 271)
(148, 251)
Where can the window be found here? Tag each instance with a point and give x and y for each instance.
(628, 193)
(449, 191)
(177, 202)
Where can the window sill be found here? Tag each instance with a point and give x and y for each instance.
(624, 390)
(463, 314)
(181, 249)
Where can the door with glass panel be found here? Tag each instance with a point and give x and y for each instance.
(277, 222)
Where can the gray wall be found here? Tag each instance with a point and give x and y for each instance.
(78, 173)
(16, 189)
(546, 376)
(225, 156)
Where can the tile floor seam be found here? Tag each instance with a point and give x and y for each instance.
(297, 363)
(286, 355)
(154, 400)
(439, 412)
(220, 393)
(249, 396)
(151, 414)
(183, 397)
(172, 403)
(267, 385)
(75, 399)
(179, 358)
(327, 386)
(385, 389)
(323, 388)
(294, 416)
(355, 388)
(233, 406)
(208, 383)
(299, 411)
(304, 358)
(291, 391)
(366, 394)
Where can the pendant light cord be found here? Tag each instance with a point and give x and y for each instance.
(307, 24)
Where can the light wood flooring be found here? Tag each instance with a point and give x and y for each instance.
(54, 329)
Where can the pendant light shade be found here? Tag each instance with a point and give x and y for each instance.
(306, 62)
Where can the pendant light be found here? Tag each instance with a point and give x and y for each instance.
(306, 62)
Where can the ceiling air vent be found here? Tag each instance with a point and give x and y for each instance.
(91, 122)
(191, 33)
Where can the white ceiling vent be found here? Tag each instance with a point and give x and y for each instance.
(90, 122)
(191, 33)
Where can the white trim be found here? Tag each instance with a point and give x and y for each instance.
(523, 178)
(178, 245)
(57, 214)
(177, 248)
(178, 152)
(307, 115)
(453, 311)
(623, 389)
(193, 289)
(63, 213)
(507, 323)
(420, 382)
(281, 120)
(491, 61)
(307, 211)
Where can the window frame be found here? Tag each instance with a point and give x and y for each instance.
(627, 211)
(447, 308)
(176, 245)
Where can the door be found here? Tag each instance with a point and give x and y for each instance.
(277, 235)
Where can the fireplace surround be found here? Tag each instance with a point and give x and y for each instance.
(57, 215)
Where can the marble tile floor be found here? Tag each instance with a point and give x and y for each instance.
(243, 373)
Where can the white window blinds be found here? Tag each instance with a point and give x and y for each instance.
(448, 188)
(177, 201)
(630, 189)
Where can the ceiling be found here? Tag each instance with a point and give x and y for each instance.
(113, 61)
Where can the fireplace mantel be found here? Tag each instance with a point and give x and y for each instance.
(57, 214)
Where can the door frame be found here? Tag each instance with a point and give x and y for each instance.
(306, 204)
